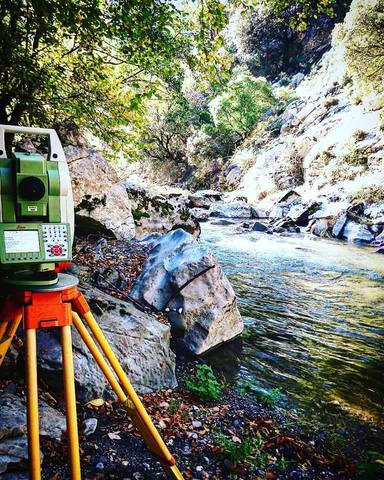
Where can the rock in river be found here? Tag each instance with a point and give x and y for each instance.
(233, 210)
(357, 233)
(181, 278)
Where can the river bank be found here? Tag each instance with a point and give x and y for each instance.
(260, 426)
(276, 415)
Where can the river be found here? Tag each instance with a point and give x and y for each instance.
(314, 324)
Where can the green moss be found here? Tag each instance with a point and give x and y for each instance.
(355, 157)
(184, 214)
(138, 214)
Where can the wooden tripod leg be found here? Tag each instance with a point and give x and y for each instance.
(32, 406)
(70, 402)
(138, 412)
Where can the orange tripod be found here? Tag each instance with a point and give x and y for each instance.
(61, 305)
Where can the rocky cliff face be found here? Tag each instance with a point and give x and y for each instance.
(327, 144)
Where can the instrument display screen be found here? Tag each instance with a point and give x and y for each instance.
(21, 241)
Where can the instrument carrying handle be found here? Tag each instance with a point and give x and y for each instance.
(55, 148)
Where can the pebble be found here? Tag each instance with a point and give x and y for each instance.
(196, 424)
(199, 468)
(100, 466)
(89, 426)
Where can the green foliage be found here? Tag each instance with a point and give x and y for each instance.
(362, 36)
(80, 62)
(306, 9)
(271, 397)
(373, 466)
(204, 384)
(239, 450)
(241, 105)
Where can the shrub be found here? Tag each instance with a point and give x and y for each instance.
(204, 384)
(271, 397)
(240, 450)
(240, 107)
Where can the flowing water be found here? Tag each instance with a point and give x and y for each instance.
(314, 319)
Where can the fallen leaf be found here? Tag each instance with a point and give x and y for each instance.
(96, 402)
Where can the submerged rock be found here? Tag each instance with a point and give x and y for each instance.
(259, 227)
(181, 278)
(140, 342)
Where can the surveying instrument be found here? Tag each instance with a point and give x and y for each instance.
(36, 235)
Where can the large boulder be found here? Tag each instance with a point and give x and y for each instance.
(101, 202)
(161, 213)
(13, 429)
(233, 210)
(186, 282)
(357, 233)
(140, 342)
(204, 198)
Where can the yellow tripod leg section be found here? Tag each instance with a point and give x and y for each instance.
(70, 402)
(32, 406)
(108, 373)
(136, 408)
(8, 329)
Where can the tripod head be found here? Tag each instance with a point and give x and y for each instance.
(36, 210)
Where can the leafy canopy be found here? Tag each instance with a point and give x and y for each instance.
(90, 60)
(240, 107)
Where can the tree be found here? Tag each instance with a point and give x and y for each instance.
(362, 35)
(240, 107)
(305, 10)
(91, 62)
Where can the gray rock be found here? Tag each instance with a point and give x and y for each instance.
(357, 233)
(296, 80)
(339, 225)
(14, 453)
(140, 342)
(200, 214)
(159, 213)
(204, 198)
(13, 428)
(233, 210)
(259, 227)
(233, 177)
(300, 213)
(89, 426)
(223, 221)
(104, 278)
(204, 308)
(321, 227)
(12, 416)
(52, 422)
(101, 202)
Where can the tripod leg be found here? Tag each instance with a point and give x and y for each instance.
(32, 406)
(138, 412)
(106, 369)
(70, 402)
(8, 328)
